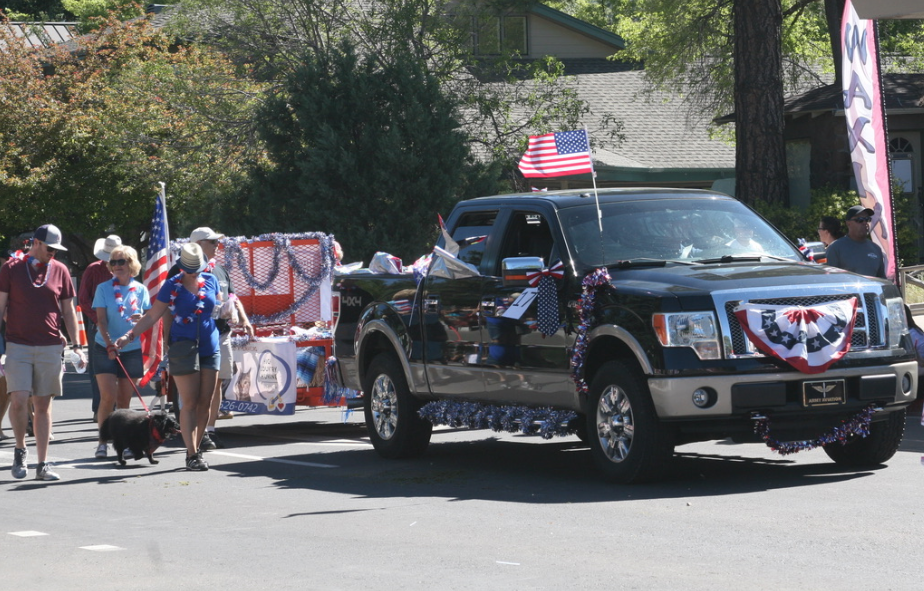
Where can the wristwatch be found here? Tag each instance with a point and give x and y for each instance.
(75, 347)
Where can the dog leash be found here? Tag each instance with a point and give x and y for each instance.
(134, 387)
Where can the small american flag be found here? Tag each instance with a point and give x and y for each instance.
(557, 154)
(155, 274)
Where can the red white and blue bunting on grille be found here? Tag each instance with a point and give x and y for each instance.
(808, 338)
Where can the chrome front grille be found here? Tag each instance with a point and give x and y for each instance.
(866, 331)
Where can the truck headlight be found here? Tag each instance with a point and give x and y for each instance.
(696, 330)
(897, 326)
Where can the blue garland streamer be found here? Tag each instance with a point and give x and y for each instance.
(591, 284)
(545, 422)
(858, 426)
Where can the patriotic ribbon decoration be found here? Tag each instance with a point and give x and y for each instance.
(547, 317)
(808, 338)
(555, 272)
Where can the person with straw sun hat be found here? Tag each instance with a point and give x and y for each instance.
(193, 356)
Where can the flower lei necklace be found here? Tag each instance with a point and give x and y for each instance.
(132, 299)
(200, 300)
(38, 267)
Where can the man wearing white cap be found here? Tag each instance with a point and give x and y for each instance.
(96, 272)
(38, 291)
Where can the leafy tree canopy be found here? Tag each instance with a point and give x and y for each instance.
(88, 135)
(35, 10)
(690, 43)
(367, 151)
(499, 99)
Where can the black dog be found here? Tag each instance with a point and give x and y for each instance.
(138, 431)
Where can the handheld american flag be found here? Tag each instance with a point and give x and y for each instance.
(557, 154)
(155, 274)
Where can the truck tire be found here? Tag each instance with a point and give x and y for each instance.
(877, 447)
(627, 441)
(395, 428)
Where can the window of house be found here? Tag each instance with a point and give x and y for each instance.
(902, 153)
(494, 34)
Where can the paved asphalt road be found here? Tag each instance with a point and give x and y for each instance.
(303, 502)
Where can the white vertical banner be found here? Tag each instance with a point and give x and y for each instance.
(866, 128)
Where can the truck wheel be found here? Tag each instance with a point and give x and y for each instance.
(877, 447)
(395, 428)
(628, 442)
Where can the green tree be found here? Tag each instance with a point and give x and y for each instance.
(35, 10)
(367, 151)
(500, 99)
(88, 134)
(93, 12)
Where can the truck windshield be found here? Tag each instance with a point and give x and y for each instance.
(682, 230)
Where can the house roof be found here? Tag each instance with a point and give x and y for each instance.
(902, 92)
(661, 140)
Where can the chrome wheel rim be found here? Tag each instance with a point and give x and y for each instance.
(615, 424)
(384, 406)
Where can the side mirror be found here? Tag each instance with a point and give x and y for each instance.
(515, 269)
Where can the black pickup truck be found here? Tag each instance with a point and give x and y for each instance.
(662, 354)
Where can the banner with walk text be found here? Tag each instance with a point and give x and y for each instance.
(264, 380)
(866, 128)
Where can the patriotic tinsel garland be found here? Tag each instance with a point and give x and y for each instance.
(590, 286)
(282, 245)
(545, 422)
(858, 425)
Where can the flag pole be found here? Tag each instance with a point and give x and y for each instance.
(593, 178)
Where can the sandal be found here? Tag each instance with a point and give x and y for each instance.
(196, 463)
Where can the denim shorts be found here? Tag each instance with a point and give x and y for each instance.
(130, 359)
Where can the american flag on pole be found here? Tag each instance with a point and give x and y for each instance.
(808, 338)
(557, 154)
(155, 274)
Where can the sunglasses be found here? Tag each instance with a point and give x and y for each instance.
(861, 219)
(117, 262)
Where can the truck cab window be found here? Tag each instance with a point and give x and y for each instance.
(470, 234)
(528, 235)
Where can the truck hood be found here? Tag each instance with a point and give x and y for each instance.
(693, 280)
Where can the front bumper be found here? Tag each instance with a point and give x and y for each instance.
(781, 393)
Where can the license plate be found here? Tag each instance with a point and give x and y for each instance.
(824, 393)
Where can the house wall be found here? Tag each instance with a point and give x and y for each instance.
(550, 38)
(827, 135)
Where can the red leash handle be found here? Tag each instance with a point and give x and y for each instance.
(132, 382)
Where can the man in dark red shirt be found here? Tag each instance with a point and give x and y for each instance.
(96, 272)
(38, 291)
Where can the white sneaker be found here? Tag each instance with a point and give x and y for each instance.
(102, 451)
(44, 472)
(127, 455)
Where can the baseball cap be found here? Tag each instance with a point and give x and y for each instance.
(50, 235)
(858, 210)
